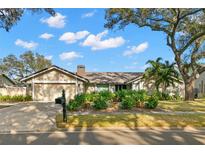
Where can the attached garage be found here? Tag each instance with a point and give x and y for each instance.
(47, 84)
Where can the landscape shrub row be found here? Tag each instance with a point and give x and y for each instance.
(15, 98)
(127, 99)
(165, 96)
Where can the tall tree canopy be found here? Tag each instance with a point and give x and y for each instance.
(26, 64)
(160, 74)
(185, 35)
(10, 17)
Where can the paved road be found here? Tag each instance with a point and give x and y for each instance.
(28, 117)
(108, 136)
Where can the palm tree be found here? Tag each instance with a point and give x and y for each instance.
(151, 73)
(161, 74)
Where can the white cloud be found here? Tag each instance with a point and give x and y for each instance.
(57, 21)
(136, 49)
(95, 42)
(70, 37)
(46, 36)
(49, 57)
(89, 14)
(25, 44)
(130, 67)
(70, 55)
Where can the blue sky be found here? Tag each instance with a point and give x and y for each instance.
(78, 36)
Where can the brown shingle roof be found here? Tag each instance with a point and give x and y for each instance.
(111, 77)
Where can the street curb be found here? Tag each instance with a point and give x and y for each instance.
(81, 129)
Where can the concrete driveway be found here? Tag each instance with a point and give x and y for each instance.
(28, 117)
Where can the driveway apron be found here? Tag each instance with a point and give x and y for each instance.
(30, 117)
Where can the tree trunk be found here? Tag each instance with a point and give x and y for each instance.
(189, 90)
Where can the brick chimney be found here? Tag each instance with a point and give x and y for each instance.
(81, 70)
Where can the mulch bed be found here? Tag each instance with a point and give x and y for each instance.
(115, 109)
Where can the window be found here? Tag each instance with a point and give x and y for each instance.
(102, 87)
(120, 87)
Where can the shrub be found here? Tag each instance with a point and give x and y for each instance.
(5, 98)
(80, 98)
(73, 105)
(15, 98)
(162, 96)
(127, 102)
(108, 96)
(100, 103)
(90, 97)
(151, 103)
(28, 98)
(120, 95)
(140, 97)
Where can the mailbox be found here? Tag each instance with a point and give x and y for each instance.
(58, 100)
(62, 101)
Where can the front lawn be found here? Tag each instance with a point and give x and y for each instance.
(193, 106)
(132, 120)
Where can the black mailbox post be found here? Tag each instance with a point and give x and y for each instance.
(62, 101)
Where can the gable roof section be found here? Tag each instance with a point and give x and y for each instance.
(5, 76)
(111, 77)
(135, 79)
(57, 68)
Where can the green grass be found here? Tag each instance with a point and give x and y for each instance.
(195, 106)
(132, 120)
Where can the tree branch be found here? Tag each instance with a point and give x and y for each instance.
(190, 13)
(193, 38)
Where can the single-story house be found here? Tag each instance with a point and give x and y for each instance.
(5, 81)
(47, 84)
(11, 88)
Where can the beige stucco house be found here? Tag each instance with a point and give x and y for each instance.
(47, 84)
(9, 87)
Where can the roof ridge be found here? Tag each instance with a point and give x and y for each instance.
(114, 72)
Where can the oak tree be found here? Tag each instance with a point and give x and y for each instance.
(10, 17)
(25, 64)
(185, 35)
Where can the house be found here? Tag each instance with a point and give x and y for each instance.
(5, 81)
(9, 87)
(47, 84)
(112, 81)
(199, 85)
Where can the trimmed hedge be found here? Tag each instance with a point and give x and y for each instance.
(15, 98)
